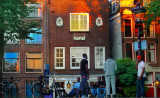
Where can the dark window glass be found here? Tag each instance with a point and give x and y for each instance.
(128, 28)
(129, 50)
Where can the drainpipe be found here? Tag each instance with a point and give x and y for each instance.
(155, 88)
(45, 34)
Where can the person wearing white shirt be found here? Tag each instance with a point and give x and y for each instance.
(141, 76)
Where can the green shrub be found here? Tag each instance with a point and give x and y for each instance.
(127, 74)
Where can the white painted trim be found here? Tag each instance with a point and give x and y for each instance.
(99, 21)
(19, 63)
(102, 47)
(79, 21)
(63, 58)
(155, 57)
(59, 23)
(88, 55)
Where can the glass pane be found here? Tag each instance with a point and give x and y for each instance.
(61, 64)
(73, 64)
(129, 54)
(11, 55)
(38, 64)
(33, 55)
(151, 55)
(127, 28)
(61, 60)
(38, 38)
(30, 64)
(128, 46)
(151, 46)
(57, 60)
(57, 64)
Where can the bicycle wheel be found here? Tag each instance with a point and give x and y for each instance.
(36, 90)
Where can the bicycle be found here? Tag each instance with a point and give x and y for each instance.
(9, 89)
(40, 90)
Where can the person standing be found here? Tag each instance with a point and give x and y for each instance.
(110, 67)
(141, 76)
(84, 73)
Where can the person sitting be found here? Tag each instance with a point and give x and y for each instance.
(75, 88)
(95, 86)
(102, 88)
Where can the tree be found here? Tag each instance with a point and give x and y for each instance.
(13, 20)
(153, 12)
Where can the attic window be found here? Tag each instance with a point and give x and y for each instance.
(115, 6)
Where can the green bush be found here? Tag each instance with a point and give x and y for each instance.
(127, 75)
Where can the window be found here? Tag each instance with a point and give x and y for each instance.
(36, 10)
(115, 6)
(99, 57)
(11, 38)
(151, 52)
(129, 50)
(59, 58)
(11, 62)
(33, 62)
(76, 56)
(140, 30)
(138, 1)
(142, 54)
(79, 21)
(36, 38)
(128, 32)
(151, 30)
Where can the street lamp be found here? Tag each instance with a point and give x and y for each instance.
(138, 15)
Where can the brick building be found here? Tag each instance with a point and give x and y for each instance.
(122, 18)
(68, 29)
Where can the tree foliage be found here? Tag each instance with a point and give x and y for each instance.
(13, 20)
(153, 12)
(13, 15)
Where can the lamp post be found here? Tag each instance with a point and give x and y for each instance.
(138, 15)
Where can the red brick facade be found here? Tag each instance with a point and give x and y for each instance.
(61, 36)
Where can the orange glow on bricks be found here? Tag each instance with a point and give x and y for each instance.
(60, 7)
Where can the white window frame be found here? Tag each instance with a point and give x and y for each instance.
(41, 10)
(154, 52)
(60, 57)
(152, 23)
(79, 22)
(131, 28)
(116, 6)
(36, 32)
(132, 49)
(26, 62)
(88, 57)
(98, 67)
(19, 63)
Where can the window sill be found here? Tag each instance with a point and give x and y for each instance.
(79, 31)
